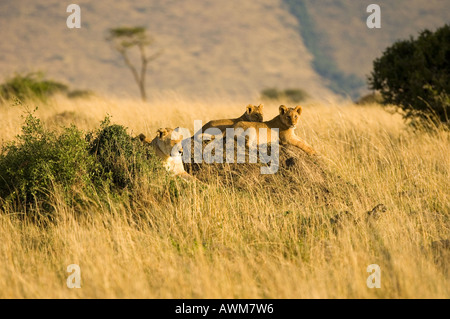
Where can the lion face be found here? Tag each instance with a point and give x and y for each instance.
(254, 113)
(169, 142)
(290, 116)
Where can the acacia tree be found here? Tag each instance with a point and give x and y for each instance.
(125, 38)
(414, 74)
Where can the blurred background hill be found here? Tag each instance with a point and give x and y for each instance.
(218, 48)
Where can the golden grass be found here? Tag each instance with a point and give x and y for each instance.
(224, 243)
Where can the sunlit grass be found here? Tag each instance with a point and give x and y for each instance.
(218, 242)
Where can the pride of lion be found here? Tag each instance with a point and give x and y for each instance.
(167, 144)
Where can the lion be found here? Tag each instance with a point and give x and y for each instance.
(286, 122)
(252, 113)
(167, 146)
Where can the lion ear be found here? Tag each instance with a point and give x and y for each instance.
(283, 109)
(141, 137)
(249, 109)
(298, 109)
(260, 106)
(162, 132)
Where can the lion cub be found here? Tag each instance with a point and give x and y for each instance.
(167, 146)
(286, 122)
(252, 113)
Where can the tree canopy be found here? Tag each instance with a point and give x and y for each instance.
(414, 74)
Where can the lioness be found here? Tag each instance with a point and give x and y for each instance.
(286, 122)
(167, 146)
(252, 113)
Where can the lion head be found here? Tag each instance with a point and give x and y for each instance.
(254, 113)
(290, 116)
(168, 141)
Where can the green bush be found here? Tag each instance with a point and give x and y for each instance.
(290, 95)
(31, 85)
(79, 94)
(270, 93)
(415, 76)
(371, 98)
(295, 95)
(38, 160)
(40, 165)
(121, 157)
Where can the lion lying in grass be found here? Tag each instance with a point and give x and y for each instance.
(286, 122)
(167, 146)
(252, 113)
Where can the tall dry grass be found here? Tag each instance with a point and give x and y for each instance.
(218, 242)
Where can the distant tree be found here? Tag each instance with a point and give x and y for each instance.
(125, 38)
(415, 75)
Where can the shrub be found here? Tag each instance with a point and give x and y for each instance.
(290, 95)
(415, 75)
(40, 163)
(271, 94)
(121, 157)
(31, 85)
(295, 95)
(38, 160)
(371, 98)
(75, 94)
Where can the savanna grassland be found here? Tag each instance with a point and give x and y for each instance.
(388, 203)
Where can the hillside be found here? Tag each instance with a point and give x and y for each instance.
(211, 48)
(342, 36)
